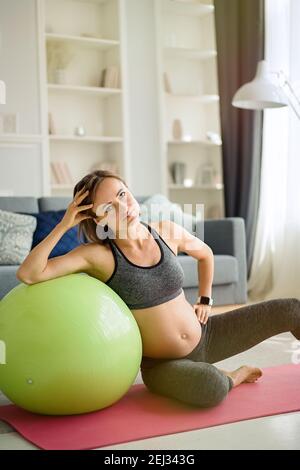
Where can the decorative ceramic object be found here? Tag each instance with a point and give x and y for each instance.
(79, 131)
(177, 129)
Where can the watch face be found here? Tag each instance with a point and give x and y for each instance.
(205, 300)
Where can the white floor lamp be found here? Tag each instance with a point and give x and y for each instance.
(2, 92)
(262, 92)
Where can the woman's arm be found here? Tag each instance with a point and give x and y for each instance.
(193, 246)
(37, 267)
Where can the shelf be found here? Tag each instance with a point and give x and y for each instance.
(94, 39)
(74, 138)
(203, 143)
(187, 8)
(189, 86)
(196, 187)
(102, 44)
(97, 2)
(104, 92)
(20, 138)
(205, 99)
(185, 53)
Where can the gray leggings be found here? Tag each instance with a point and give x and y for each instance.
(193, 379)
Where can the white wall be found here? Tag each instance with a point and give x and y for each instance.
(20, 158)
(19, 62)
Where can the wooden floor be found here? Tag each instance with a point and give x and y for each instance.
(226, 308)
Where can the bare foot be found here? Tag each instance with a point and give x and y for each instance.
(244, 374)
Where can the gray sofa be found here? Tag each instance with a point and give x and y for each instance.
(226, 237)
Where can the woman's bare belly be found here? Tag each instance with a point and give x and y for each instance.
(169, 330)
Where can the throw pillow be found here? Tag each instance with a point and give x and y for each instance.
(46, 221)
(159, 207)
(16, 234)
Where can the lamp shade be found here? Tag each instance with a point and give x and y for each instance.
(2, 92)
(261, 92)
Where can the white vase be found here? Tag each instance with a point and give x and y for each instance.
(60, 76)
(177, 129)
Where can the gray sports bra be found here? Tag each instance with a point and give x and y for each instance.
(146, 286)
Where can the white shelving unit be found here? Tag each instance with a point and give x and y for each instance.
(81, 108)
(74, 138)
(87, 90)
(128, 124)
(102, 44)
(189, 93)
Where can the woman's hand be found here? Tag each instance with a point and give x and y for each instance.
(72, 215)
(202, 311)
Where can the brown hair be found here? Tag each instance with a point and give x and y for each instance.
(87, 227)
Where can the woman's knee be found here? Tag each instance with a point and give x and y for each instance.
(201, 384)
(217, 389)
(291, 304)
(285, 313)
(295, 317)
(215, 398)
(293, 313)
(296, 303)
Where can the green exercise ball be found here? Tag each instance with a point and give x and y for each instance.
(71, 346)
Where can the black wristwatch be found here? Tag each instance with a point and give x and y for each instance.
(204, 300)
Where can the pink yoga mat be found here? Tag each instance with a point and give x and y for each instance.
(141, 414)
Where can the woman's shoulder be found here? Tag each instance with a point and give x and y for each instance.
(168, 230)
(92, 246)
(100, 259)
(166, 227)
(95, 252)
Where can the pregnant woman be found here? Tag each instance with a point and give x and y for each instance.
(139, 262)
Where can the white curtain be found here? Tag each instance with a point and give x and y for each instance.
(275, 271)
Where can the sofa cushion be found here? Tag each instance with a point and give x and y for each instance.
(46, 221)
(51, 203)
(16, 234)
(159, 207)
(225, 270)
(19, 204)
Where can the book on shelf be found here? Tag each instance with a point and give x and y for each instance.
(102, 79)
(60, 173)
(110, 77)
(53, 176)
(67, 173)
(51, 126)
(167, 84)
